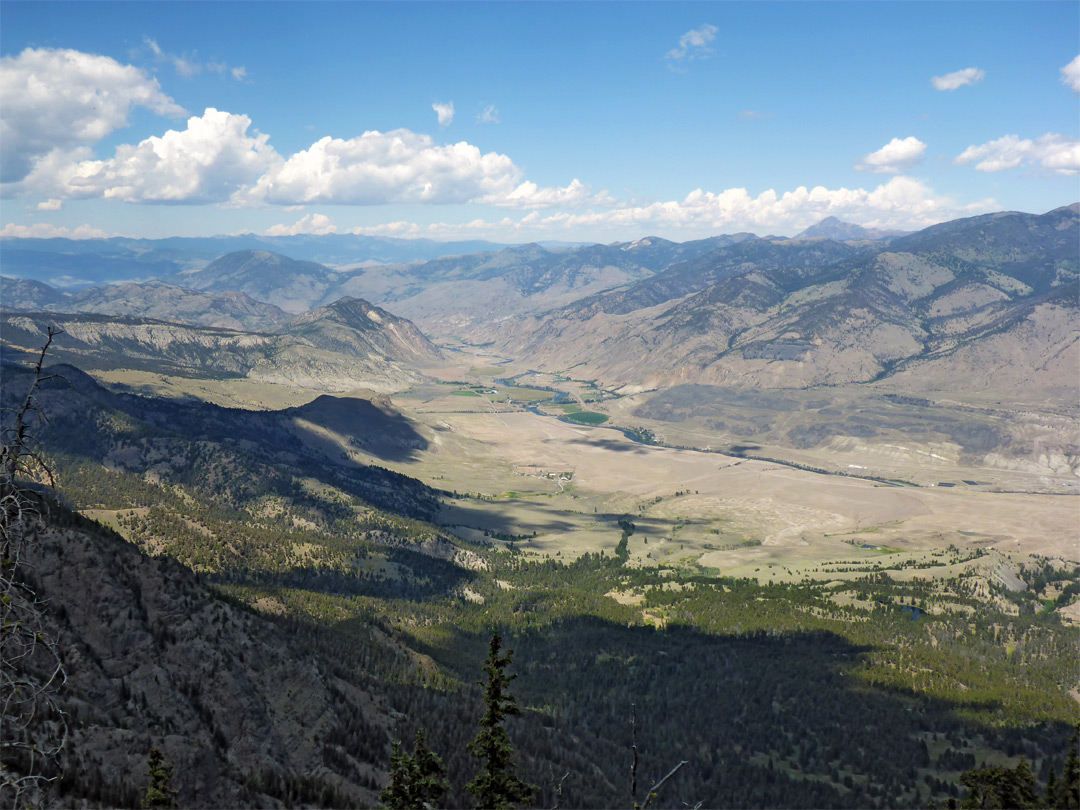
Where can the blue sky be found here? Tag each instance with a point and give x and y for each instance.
(569, 121)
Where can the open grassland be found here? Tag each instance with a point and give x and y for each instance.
(560, 489)
(556, 489)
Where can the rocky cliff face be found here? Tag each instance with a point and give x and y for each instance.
(154, 659)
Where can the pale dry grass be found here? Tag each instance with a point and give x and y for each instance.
(563, 487)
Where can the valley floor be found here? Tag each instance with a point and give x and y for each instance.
(555, 488)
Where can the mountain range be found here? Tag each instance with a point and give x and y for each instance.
(75, 263)
(970, 303)
(978, 302)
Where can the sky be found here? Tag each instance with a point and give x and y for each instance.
(520, 122)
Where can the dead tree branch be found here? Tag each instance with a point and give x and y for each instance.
(33, 728)
(656, 788)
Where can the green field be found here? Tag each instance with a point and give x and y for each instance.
(588, 417)
(522, 394)
(464, 393)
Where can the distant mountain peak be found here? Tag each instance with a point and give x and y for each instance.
(1074, 208)
(347, 308)
(840, 231)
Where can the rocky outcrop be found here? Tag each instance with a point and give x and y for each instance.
(154, 659)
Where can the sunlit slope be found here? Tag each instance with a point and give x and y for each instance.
(971, 299)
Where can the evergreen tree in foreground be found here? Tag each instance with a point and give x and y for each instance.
(416, 781)
(497, 787)
(159, 792)
(1068, 789)
(1066, 793)
(1015, 788)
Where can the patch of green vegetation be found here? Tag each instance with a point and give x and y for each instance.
(463, 393)
(588, 417)
(524, 394)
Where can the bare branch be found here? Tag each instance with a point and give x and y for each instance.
(656, 788)
(558, 790)
(33, 728)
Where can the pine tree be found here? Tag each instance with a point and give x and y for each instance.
(159, 792)
(497, 787)
(1052, 789)
(416, 781)
(1069, 788)
(1000, 787)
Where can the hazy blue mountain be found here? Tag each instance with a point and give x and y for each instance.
(25, 293)
(833, 228)
(82, 262)
(151, 299)
(271, 277)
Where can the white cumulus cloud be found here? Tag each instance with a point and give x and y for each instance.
(392, 167)
(1070, 75)
(220, 159)
(1053, 153)
(205, 163)
(490, 115)
(895, 157)
(530, 195)
(312, 223)
(694, 44)
(43, 230)
(50, 205)
(445, 112)
(59, 99)
(951, 81)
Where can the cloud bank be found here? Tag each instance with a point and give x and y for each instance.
(44, 230)
(902, 203)
(219, 158)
